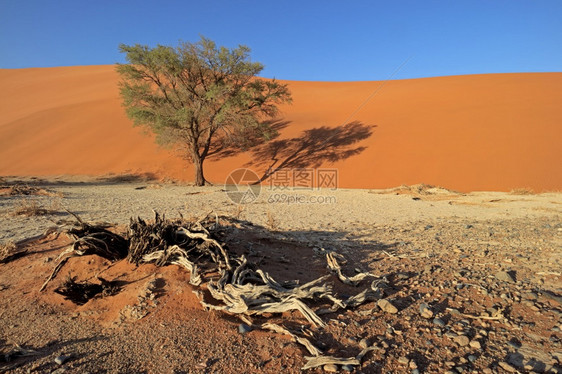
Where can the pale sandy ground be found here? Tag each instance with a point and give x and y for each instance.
(286, 210)
(433, 246)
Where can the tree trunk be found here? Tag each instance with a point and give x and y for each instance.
(199, 178)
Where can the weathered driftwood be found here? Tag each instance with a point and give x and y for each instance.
(335, 267)
(16, 351)
(164, 242)
(145, 238)
(239, 295)
(174, 256)
(242, 288)
(206, 239)
(163, 235)
(312, 362)
(302, 341)
(316, 361)
(12, 251)
(90, 239)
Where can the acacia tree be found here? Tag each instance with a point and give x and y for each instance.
(199, 96)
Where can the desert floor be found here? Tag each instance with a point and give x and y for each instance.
(486, 264)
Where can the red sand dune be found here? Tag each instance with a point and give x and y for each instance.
(478, 132)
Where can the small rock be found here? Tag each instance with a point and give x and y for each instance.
(505, 276)
(471, 358)
(507, 367)
(243, 328)
(61, 359)
(403, 360)
(347, 367)
(201, 365)
(415, 371)
(475, 344)
(461, 340)
(425, 311)
(530, 296)
(514, 343)
(387, 306)
(330, 368)
(439, 322)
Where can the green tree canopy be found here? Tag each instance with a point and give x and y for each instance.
(196, 94)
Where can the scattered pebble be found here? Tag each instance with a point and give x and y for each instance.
(514, 343)
(476, 344)
(425, 311)
(507, 367)
(243, 328)
(61, 359)
(387, 306)
(505, 276)
(461, 340)
(439, 322)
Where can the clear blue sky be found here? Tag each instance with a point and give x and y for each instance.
(300, 40)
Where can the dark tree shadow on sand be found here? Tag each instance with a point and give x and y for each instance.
(313, 148)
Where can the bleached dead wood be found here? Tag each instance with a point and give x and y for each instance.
(242, 289)
(205, 237)
(89, 239)
(312, 362)
(317, 361)
(302, 341)
(259, 299)
(175, 256)
(335, 267)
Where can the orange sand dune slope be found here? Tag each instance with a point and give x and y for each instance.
(478, 132)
